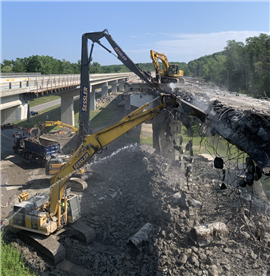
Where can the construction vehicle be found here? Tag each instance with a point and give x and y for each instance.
(43, 218)
(170, 72)
(61, 124)
(7, 126)
(43, 214)
(40, 149)
(77, 181)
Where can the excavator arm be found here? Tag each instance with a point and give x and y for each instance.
(61, 124)
(85, 62)
(94, 143)
(163, 58)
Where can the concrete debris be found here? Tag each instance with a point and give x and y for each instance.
(141, 236)
(204, 234)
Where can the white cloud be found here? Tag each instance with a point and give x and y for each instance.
(179, 47)
(186, 47)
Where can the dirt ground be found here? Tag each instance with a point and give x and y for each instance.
(138, 186)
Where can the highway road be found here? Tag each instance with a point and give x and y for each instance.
(45, 105)
(6, 142)
(41, 107)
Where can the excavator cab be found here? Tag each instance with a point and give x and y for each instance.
(173, 70)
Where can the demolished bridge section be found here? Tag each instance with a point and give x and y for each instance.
(241, 120)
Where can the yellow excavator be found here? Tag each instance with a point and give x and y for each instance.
(52, 166)
(169, 73)
(44, 214)
(61, 124)
(44, 218)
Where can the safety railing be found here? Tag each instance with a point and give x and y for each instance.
(46, 84)
(56, 84)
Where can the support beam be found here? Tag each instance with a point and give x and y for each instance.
(121, 85)
(104, 91)
(114, 86)
(67, 108)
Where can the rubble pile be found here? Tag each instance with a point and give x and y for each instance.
(100, 102)
(138, 187)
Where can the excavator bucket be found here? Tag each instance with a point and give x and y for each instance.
(191, 109)
(77, 184)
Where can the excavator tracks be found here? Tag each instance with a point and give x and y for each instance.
(83, 232)
(46, 245)
(50, 247)
(173, 80)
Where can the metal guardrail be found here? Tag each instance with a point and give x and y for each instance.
(56, 84)
(46, 84)
(9, 75)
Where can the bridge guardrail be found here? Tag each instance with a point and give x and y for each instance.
(54, 83)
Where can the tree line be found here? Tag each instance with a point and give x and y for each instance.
(243, 68)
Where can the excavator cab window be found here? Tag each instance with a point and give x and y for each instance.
(173, 70)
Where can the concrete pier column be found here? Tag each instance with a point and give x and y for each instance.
(125, 86)
(104, 91)
(92, 98)
(121, 85)
(114, 86)
(67, 108)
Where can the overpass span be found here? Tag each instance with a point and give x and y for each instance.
(17, 91)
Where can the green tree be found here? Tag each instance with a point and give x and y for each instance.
(235, 65)
(6, 69)
(19, 65)
(8, 62)
(65, 67)
(257, 51)
(35, 64)
(95, 68)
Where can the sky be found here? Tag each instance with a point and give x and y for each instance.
(182, 30)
